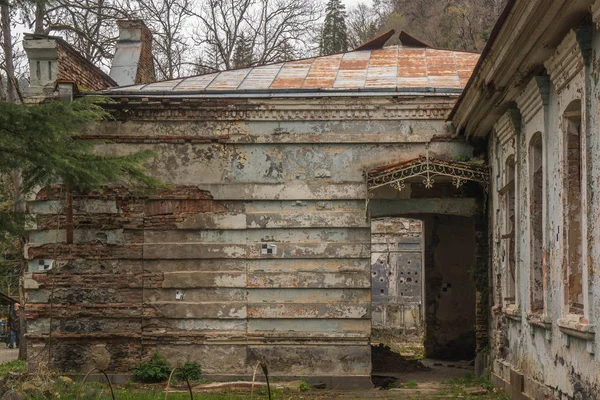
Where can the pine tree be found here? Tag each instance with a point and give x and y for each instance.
(334, 38)
(243, 56)
(42, 141)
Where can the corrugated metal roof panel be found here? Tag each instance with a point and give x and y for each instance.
(229, 80)
(356, 60)
(347, 79)
(292, 75)
(196, 83)
(164, 85)
(323, 72)
(392, 67)
(260, 78)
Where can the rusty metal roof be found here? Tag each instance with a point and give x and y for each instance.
(393, 68)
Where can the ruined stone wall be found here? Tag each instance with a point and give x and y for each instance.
(259, 250)
(551, 350)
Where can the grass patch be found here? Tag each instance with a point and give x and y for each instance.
(14, 366)
(458, 388)
(410, 384)
(136, 391)
(469, 380)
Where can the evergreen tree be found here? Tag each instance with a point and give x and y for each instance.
(334, 38)
(43, 142)
(243, 56)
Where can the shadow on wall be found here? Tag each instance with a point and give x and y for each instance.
(450, 256)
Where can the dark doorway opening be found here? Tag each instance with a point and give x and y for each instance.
(453, 274)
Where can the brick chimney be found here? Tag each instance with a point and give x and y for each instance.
(53, 62)
(133, 62)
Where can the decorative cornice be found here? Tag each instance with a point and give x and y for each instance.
(570, 57)
(281, 113)
(508, 125)
(534, 97)
(595, 10)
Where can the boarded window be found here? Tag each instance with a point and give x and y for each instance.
(536, 201)
(573, 214)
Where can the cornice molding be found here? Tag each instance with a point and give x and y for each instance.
(534, 97)
(283, 113)
(595, 10)
(570, 57)
(508, 125)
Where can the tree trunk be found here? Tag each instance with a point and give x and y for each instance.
(40, 8)
(11, 91)
(11, 97)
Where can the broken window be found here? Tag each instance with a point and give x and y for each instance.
(508, 238)
(573, 214)
(536, 201)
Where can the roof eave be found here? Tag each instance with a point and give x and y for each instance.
(459, 107)
(513, 56)
(450, 92)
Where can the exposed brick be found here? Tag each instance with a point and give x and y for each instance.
(73, 67)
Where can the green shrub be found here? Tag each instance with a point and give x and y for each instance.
(157, 369)
(13, 366)
(303, 386)
(192, 371)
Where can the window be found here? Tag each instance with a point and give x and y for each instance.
(508, 238)
(536, 201)
(573, 215)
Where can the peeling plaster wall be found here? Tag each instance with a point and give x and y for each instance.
(263, 231)
(552, 353)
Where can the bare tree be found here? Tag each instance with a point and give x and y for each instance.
(169, 22)
(7, 46)
(88, 25)
(12, 90)
(221, 23)
(277, 30)
(285, 29)
(363, 24)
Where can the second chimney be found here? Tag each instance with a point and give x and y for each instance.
(133, 62)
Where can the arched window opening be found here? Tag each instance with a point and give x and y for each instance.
(573, 214)
(508, 238)
(536, 201)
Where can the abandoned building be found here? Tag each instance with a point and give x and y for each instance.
(269, 243)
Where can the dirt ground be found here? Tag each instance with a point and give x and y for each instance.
(7, 354)
(405, 378)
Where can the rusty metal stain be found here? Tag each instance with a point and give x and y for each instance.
(383, 68)
(355, 60)
(260, 78)
(323, 72)
(387, 57)
(292, 74)
(391, 67)
(351, 79)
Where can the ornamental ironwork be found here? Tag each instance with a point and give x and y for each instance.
(429, 169)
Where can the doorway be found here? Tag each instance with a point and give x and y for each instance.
(443, 202)
(397, 284)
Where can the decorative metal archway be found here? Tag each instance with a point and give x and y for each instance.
(428, 168)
